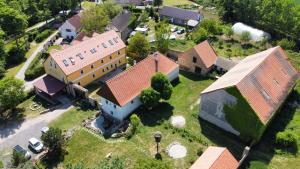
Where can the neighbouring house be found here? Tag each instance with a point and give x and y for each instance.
(71, 27)
(180, 16)
(120, 95)
(200, 59)
(82, 63)
(130, 2)
(223, 65)
(255, 34)
(216, 158)
(245, 99)
(120, 24)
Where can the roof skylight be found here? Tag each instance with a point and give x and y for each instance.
(65, 62)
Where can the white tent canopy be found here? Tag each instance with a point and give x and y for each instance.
(256, 34)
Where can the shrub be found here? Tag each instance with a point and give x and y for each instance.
(15, 55)
(32, 35)
(1, 164)
(257, 165)
(199, 151)
(161, 84)
(135, 120)
(150, 163)
(286, 139)
(150, 98)
(199, 35)
(35, 68)
(43, 35)
(17, 159)
(286, 44)
(245, 37)
(211, 26)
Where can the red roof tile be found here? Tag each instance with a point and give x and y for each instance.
(49, 85)
(206, 53)
(122, 88)
(75, 21)
(98, 42)
(264, 80)
(216, 158)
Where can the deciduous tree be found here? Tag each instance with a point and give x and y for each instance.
(138, 46)
(150, 98)
(161, 84)
(162, 36)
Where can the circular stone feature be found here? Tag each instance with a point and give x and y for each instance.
(178, 121)
(176, 150)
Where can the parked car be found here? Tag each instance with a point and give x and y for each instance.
(22, 151)
(45, 130)
(36, 145)
(174, 29)
(180, 31)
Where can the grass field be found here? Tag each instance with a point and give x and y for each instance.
(176, 2)
(297, 1)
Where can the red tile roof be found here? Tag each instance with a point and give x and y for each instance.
(75, 21)
(100, 44)
(206, 53)
(264, 80)
(49, 85)
(124, 87)
(216, 158)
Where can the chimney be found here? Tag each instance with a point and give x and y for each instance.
(156, 62)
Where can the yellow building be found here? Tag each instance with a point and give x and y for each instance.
(82, 63)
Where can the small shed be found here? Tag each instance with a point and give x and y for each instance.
(256, 34)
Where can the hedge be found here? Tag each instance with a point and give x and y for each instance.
(43, 35)
(243, 118)
(287, 139)
(36, 67)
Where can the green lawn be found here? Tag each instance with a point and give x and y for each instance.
(181, 45)
(184, 101)
(24, 107)
(176, 2)
(72, 118)
(297, 1)
(57, 47)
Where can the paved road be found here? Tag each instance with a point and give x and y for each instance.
(21, 74)
(20, 133)
(39, 25)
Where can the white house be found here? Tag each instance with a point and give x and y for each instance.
(71, 27)
(256, 34)
(119, 97)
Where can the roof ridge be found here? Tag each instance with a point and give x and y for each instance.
(224, 149)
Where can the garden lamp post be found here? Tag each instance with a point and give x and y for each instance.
(157, 137)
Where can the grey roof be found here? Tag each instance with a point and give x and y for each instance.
(121, 21)
(225, 63)
(129, 2)
(180, 13)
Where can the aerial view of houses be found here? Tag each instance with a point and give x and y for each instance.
(149, 84)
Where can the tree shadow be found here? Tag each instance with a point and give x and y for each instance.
(155, 116)
(10, 121)
(193, 76)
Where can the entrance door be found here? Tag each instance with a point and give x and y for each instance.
(197, 70)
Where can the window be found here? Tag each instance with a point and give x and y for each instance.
(119, 61)
(65, 62)
(107, 68)
(79, 55)
(93, 50)
(194, 60)
(115, 106)
(68, 30)
(54, 65)
(104, 45)
(92, 66)
(78, 83)
(111, 112)
(115, 39)
(94, 75)
(110, 57)
(102, 61)
(106, 101)
(116, 65)
(103, 70)
(50, 64)
(131, 101)
(111, 43)
(111, 66)
(119, 52)
(81, 71)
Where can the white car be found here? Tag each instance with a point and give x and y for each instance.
(44, 130)
(36, 145)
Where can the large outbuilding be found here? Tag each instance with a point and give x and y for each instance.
(245, 99)
(120, 95)
(71, 27)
